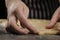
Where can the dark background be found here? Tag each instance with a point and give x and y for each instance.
(41, 9)
(3, 11)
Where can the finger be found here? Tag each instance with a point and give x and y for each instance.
(49, 26)
(15, 27)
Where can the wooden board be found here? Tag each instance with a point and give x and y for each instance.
(37, 23)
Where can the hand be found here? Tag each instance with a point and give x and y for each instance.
(12, 21)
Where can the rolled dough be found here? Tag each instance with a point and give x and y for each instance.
(37, 23)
